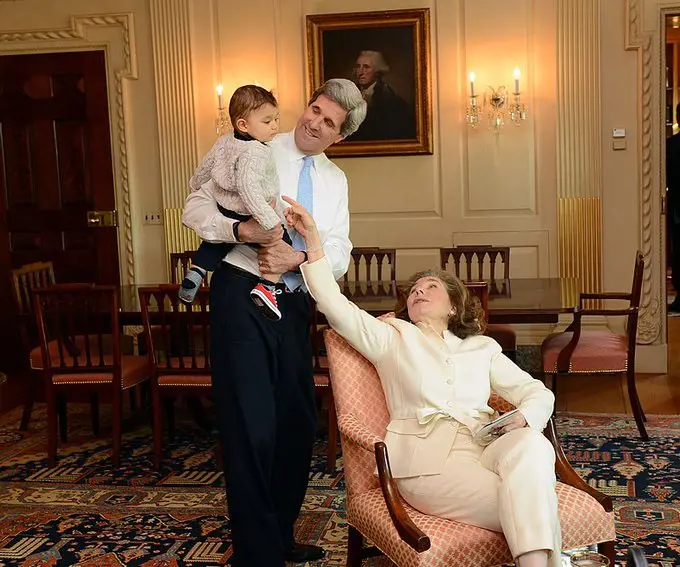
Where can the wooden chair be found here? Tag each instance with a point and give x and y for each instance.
(376, 510)
(25, 279)
(179, 351)
(576, 351)
(179, 264)
(322, 384)
(475, 259)
(79, 336)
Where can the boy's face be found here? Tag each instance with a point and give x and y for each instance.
(262, 123)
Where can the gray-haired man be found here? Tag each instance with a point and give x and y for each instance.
(263, 386)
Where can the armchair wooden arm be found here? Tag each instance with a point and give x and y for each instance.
(566, 472)
(408, 531)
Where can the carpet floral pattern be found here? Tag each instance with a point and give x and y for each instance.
(85, 513)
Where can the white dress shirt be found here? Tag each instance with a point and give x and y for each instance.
(331, 209)
(432, 383)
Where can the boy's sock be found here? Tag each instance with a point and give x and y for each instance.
(191, 284)
(264, 296)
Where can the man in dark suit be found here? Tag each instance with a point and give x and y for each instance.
(673, 209)
(389, 116)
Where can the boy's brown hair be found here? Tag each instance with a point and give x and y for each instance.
(248, 98)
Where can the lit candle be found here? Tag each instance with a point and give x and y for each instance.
(219, 96)
(516, 80)
(472, 84)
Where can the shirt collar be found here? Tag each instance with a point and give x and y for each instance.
(294, 154)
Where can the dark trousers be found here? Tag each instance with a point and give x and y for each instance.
(263, 391)
(210, 254)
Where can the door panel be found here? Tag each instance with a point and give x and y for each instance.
(55, 166)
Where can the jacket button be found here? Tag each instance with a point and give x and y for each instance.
(450, 404)
(449, 361)
(449, 382)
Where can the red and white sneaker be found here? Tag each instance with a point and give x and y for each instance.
(265, 299)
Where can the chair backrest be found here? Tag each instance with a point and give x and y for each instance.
(480, 261)
(179, 265)
(635, 296)
(638, 274)
(178, 335)
(27, 278)
(78, 328)
(369, 257)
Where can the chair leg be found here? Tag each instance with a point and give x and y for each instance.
(332, 452)
(117, 424)
(606, 548)
(30, 398)
(169, 405)
(355, 547)
(63, 418)
(133, 398)
(157, 412)
(636, 405)
(51, 431)
(94, 412)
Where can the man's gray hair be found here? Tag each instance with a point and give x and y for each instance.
(347, 95)
(379, 64)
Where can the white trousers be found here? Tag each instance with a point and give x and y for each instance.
(508, 486)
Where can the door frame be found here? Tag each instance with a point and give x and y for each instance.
(113, 34)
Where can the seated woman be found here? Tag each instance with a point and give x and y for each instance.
(437, 371)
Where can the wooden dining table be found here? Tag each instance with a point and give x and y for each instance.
(513, 301)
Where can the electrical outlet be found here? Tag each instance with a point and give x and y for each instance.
(153, 217)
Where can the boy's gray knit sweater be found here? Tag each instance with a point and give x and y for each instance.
(244, 174)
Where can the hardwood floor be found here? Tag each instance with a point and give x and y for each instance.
(659, 393)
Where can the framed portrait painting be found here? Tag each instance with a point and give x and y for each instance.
(387, 55)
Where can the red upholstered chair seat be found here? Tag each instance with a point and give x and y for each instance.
(596, 352)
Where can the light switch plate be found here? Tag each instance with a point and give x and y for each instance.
(619, 133)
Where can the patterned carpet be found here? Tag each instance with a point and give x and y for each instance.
(85, 513)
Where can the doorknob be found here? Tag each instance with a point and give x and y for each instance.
(97, 219)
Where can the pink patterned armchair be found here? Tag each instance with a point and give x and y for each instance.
(376, 511)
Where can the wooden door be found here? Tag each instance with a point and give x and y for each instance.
(55, 166)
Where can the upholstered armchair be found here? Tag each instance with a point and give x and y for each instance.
(376, 511)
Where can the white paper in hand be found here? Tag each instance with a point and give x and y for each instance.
(491, 431)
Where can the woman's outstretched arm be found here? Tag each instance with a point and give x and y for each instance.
(370, 336)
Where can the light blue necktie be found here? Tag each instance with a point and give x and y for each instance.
(305, 196)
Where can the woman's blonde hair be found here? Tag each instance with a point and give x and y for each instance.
(468, 319)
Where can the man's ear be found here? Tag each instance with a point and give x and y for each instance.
(340, 138)
(241, 125)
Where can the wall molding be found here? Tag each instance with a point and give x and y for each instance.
(579, 135)
(652, 309)
(52, 40)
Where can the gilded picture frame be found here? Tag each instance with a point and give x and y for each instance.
(387, 54)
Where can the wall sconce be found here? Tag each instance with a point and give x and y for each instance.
(221, 122)
(496, 105)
